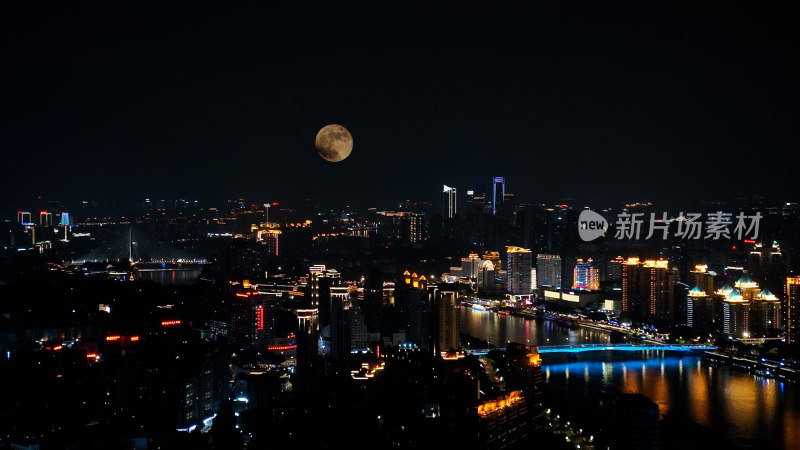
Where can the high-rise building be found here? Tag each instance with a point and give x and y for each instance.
(340, 323)
(703, 278)
(791, 311)
(419, 314)
(45, 219)
(308, 364)
(615, 269)
(320, 281)
(470, 266)
(548, 270)
(585, 275)
(519, 263)
(736, 315)
(648, 288)
(765, 314)
(476, 201)
(699, 309)
(765, 263)
(254, 317)
(271, 239)
(486, 277)
(449, 202)
(448, 330)
(416, 227)
(498, 193)
(24, 217)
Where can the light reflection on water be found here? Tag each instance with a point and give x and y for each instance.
(754, 412)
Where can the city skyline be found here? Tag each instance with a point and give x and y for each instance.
(498, 226)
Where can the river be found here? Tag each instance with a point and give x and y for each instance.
(700, 406)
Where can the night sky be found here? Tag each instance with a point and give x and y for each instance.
(596, 101)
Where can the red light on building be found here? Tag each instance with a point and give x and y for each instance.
(170, 323)
(274, 203)
(260, 317)
(749, 241)
(134, 338)
(113, 337)
(281, 347)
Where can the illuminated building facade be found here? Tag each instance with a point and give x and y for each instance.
(486, 278)
(308, 361)
(766, 263)
(747, 311)
(791, 311)
(24, 217)
(448, 326)
(648, 288)
(699, 309)
(765, 314)
(585, 275)
(449, 202)
(519, 263)
(470, 266)
(498, 193)
(736, 315)
(271, 239)
(548, 270)
(320, 281)
(503, 422)
(254, 317)
(45, 219)
(703, 278)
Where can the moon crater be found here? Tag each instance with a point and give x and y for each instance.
(334, 143)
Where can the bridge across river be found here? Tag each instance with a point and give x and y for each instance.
(602, 347)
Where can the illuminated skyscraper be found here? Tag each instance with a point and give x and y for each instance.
(518, 267)
(765, 314)
(703, 278)
(271, 239)
(340, 323)
(585, 275)
(254, 317)
(45, 219)
(448, 331)
(699, 309)
(498, 193)
(791, 311)
(24, 217)
(320, 281)
(765, 263)
(449, 202)
(307, 350)
(648, 288)
(736, 315)
(548, 270)
(470, 265)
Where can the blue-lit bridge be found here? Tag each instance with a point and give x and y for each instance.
(602, 347)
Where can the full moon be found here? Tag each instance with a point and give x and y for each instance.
(334, 143)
